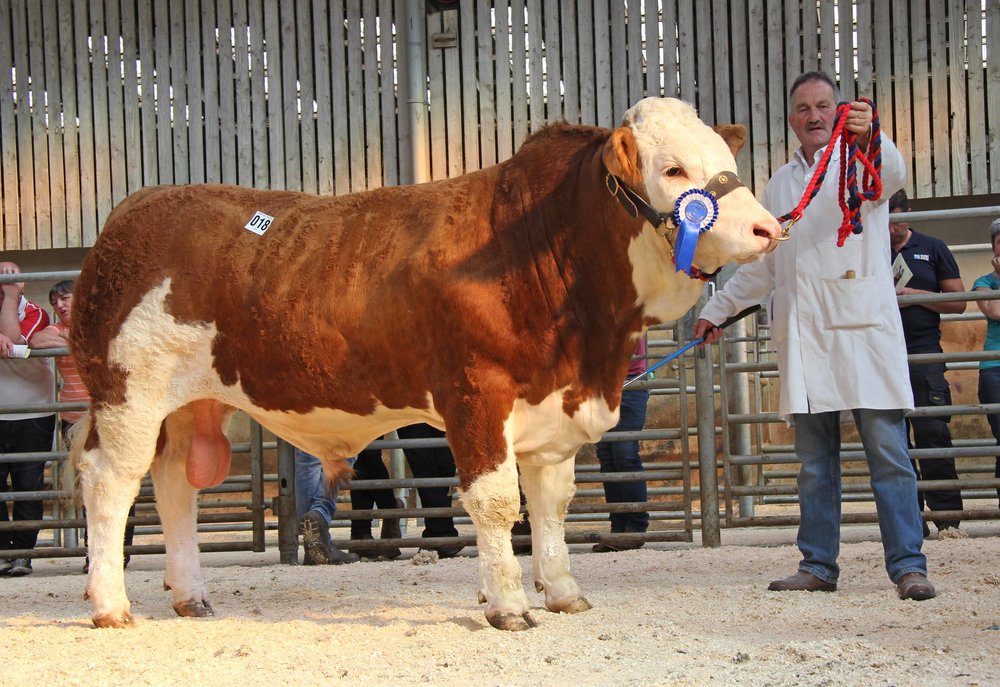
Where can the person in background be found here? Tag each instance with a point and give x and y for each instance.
(315, 505)
(72, 390)
(370, 466)
(932, 269)
(432, 462)
(425, 462)
(623, 456)
(839, 339)
(22, 382)
(989, 370)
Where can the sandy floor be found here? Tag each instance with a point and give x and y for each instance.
(668, 614)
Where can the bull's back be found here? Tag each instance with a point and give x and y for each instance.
(322, 264)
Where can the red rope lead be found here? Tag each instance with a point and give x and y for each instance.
(848, 195)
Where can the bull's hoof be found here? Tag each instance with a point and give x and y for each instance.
(481, 598)
(512, 622)
(576, 605)
(194, 609)
(123, 620)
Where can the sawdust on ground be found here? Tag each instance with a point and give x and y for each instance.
(668, 614)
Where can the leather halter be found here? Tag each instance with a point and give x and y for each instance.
(719, 185)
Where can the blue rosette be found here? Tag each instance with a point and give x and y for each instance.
(694, 212)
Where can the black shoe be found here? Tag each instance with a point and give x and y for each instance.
(391, 530)
(444, 551)
(606, 547)
(319, 549)
(373, 554)
(5, 564)
(19, 567)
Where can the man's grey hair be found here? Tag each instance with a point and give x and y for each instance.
(809, 77)
(994, 230)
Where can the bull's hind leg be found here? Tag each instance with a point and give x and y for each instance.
(111, 456)
(548, 489)
(492, 500)
(195, 454)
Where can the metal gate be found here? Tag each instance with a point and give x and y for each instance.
(248, 509)
(759, 472)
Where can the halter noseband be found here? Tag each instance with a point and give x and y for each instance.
(719, 185)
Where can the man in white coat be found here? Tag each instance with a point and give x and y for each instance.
(840, 346)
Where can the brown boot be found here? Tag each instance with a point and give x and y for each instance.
(802, 581)
(317, 544)
(915, 586)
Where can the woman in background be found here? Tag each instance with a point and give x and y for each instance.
(989, 370)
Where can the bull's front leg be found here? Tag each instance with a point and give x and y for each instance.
(492, 500)
(549, 489)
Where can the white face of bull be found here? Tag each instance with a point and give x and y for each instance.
(676, 152)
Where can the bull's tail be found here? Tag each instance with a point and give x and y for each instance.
(338, 474)
(76, 437)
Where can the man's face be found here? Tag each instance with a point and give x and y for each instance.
(898, 230)
(62, 304)
(814, 108)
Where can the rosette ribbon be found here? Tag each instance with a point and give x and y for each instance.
(694, 213)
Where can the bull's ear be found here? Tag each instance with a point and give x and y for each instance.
(621, 156)
(735, 135)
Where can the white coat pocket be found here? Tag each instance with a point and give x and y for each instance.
(849, 303)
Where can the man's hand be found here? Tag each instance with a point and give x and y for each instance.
(11, 291)
(906, 291)
(859, 121)
(706, 330)
(6, 346)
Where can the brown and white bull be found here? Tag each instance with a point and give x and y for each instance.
(501, 306)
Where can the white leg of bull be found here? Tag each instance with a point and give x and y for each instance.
(492, 501)
(110, 473)
(176, 502)
(549, 489)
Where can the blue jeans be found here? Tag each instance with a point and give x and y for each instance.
(310, 487)
(623, 456)
(989, 392)
(817, 444)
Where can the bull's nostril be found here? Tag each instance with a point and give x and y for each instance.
(763, 233)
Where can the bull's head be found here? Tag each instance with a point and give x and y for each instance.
(663, 151)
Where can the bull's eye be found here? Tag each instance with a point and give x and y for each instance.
(673, 171)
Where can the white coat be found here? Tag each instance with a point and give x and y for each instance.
(839, 340)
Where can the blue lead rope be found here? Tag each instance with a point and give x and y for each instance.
(683, 349)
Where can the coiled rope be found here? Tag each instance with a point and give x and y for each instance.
(849, 196)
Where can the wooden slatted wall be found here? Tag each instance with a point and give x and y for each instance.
(101, 97)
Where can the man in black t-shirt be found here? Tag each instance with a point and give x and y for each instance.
(932, 269)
